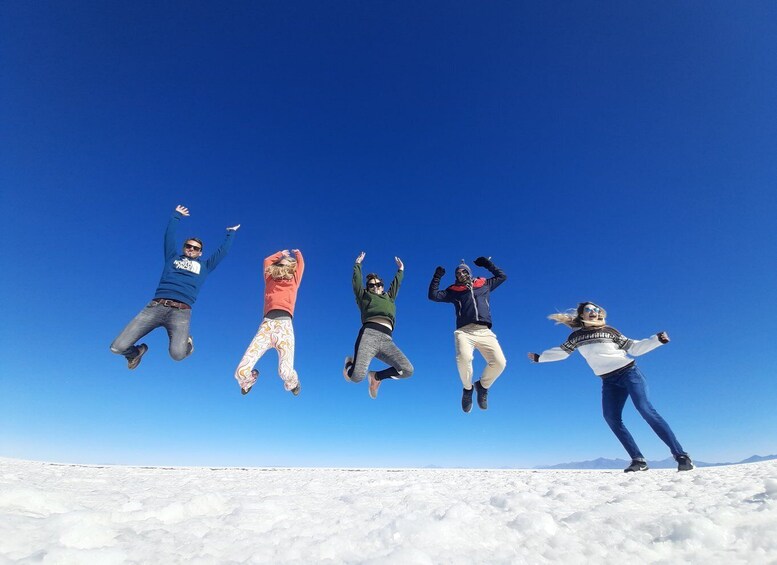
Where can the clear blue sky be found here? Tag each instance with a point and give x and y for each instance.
(615, 152)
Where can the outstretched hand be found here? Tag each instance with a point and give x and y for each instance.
(439, 272)
(360, 258)
(533, 357)
(181, 209)
(232, 228)
(663, 337)
(482, 261)
(399, 263)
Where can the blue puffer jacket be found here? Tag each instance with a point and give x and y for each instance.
(472, 303)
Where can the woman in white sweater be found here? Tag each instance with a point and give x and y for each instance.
(608, 353)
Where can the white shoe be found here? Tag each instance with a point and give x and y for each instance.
(191, 345)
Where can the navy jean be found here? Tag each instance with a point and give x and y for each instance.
(174, 320)
(615, 390)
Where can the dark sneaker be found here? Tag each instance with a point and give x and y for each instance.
(191, 346)
(684, 462)
(348, 365)
(636, 465)
(296, 389)
(466, 400)
(374, 384)
(135, 361)
(243, 388)
(482, 395)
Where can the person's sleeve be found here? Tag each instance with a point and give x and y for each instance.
(637, 347)
(300, 266)
(271, 259)
(435, 294)
(358, 287)
(221, 252)
(553, 354)
(499, 275)
(395, 284)
(172, 227)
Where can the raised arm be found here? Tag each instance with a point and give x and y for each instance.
(214, 260)
(358, 287)
(170, 248)
(271, 259)
(499, 275)
(435, 293)
(300, 264)
(395, 284)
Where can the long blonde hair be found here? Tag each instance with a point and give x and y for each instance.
(277, 272)
(573, 317)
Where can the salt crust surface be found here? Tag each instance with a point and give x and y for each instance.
(53, 513)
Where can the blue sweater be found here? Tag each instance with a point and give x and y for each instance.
(182, 277)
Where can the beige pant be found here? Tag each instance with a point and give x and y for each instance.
(475, 336)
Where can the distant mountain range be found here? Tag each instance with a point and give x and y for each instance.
(668, 463)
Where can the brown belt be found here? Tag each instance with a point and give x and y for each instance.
(172, 303)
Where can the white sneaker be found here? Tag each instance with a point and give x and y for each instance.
(191, 345)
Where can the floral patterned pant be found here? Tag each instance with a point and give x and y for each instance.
(278, 334)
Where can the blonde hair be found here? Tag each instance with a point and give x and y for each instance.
(573, 317)
(278, 272)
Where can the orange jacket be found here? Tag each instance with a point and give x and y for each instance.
(282, 294)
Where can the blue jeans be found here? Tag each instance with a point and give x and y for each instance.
(174, 320)
(615, 390)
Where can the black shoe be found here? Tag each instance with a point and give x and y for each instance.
(296, 389)
(482, 395)
(466, 400)
(636, 465)
(135, 361)
(684, 462)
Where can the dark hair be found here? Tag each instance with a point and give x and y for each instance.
(373, 276)
(198, 240)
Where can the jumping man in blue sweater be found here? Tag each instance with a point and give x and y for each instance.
(171, 308)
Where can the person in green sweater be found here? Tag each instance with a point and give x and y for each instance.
(378, 315)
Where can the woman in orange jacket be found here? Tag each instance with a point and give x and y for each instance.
(282, 276)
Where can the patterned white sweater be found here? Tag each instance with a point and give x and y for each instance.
(605, 349)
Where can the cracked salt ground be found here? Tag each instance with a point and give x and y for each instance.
(88, 514)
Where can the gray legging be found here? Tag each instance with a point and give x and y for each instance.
(376, 342)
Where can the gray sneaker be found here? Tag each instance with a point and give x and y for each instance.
(135, 361)
(374, 384)
(348, 366)
(684, 462)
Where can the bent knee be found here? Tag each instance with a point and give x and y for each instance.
(407, 371)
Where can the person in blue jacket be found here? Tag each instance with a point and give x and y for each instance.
(182, 278)
(471, 297)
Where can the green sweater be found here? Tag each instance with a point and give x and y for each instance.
(371, 304)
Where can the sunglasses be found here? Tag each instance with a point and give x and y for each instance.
(374, 285)
(594, 309)
(193, 247)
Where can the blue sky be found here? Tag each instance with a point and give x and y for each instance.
(614, 152)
